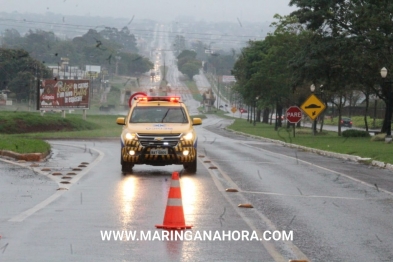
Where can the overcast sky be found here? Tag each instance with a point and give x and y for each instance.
(160, 10)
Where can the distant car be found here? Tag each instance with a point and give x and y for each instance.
(242, 110)
(347, 122)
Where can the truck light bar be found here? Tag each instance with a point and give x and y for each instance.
(160, 98)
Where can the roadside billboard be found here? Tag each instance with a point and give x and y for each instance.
(64, 94)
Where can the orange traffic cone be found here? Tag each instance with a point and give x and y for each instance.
(174, 215)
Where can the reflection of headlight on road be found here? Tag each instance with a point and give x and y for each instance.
(130, 136)
(187, 136)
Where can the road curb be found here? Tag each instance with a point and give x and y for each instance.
(320, 152)
(30, 157)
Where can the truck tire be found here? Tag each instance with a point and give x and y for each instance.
(191, 167)
(125, 167)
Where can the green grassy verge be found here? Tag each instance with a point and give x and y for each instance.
(71, 127)
(329, 141)
(24, 145)
(29, 122)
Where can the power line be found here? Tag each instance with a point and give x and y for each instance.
(131, 29)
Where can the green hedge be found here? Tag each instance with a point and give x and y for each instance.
(355, 133)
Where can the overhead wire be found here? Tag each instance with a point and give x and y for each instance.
(75, 28)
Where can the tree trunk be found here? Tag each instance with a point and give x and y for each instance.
(276, 122)
(366, 110)
(323, 117)
(322, 122)
(387, 119)
(259, 112)
(250, 109)
(265, 117)
(339, 116)
(248, 113)
(279, 109)
(271, 117)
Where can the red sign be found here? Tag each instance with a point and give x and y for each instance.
(294, 114)
(64, 94)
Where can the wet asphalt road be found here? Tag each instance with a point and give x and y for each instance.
(337, 210)
(333, 216)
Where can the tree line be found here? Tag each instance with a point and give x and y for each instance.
(24, 58)
(338, 46)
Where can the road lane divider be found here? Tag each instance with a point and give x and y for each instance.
(320, 167)
(221, 180)
(63, 185)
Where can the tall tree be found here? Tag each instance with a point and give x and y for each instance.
(368, 24)
(18, 70)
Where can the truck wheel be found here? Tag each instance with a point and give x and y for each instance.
(125, 167)
(191, 167)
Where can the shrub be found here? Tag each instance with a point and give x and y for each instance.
(355, 133)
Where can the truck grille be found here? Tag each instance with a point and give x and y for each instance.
(161, 140)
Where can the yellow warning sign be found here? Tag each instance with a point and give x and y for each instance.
(313, 107)
(233, 109)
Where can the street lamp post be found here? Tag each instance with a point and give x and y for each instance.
(218, 91)
(314, 124)
(388, 138)
(169, 88)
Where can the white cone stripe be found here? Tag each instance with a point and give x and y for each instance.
(175, 183)
(174, 202)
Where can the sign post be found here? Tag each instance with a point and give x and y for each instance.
(294, 115)
(233, 109)
(313, 107)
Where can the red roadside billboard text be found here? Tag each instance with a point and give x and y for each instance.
(64, 94)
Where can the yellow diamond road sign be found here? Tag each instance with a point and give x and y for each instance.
(313, 107)
(233, 109)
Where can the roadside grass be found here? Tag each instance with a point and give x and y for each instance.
(328, 141)
(28, 122)
(96, 126)
(24, 145)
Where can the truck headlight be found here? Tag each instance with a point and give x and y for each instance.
(188, 136)
(130, 136)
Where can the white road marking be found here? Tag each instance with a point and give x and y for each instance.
(270, 248)
(305, 196)
(25, 214)
(323, 168)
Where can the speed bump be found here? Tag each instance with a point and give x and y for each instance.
(245, 205)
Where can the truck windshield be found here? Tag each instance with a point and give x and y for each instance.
(158, 115)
